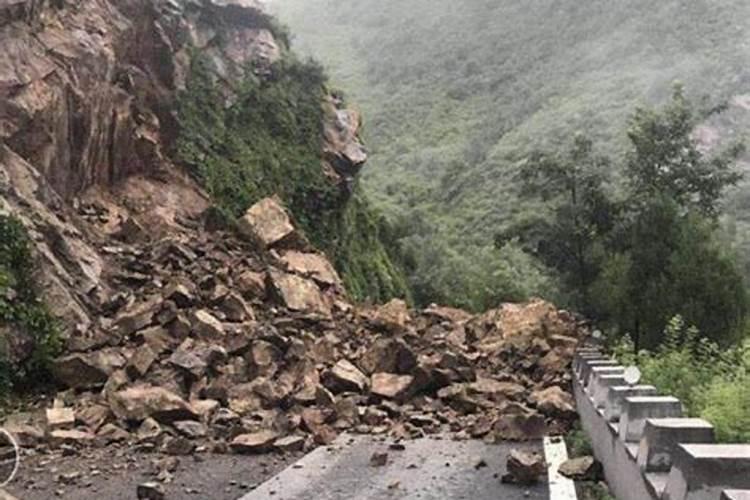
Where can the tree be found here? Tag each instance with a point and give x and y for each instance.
(665, 160)
(670, 265)
(573, 187)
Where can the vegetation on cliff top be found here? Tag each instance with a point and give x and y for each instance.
(269, 141)
(30, 336)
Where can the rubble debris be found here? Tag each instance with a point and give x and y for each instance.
(199, 355)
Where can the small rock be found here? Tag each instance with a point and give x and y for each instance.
(290, 443)
(581, 469)
(236, 309)
(206, 325)
(191, 429)
(257, 442)
(179, 446)
(150, 491)
(70, 437)
(379, 459)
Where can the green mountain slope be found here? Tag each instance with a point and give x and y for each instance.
(456, 93)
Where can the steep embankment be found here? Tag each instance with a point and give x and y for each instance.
(93, 109)
(456, 93)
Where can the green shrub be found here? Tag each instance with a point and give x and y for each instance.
(726, 404)
(711, 382)
(578, 442)
(20, 308)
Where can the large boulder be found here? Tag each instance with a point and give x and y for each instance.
(141, 402)
(388, 355)
(391, 386)
(524, 467)
(313, 265)
(268, 224)
(88, 371)
(299, 294)
(344, 376)
(393, 316)
(555, 402)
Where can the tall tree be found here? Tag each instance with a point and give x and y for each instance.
(664, 159)
(573, 185)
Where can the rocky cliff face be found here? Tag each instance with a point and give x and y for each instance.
(88, 93)
(87, 87)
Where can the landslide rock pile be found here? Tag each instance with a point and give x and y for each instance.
(249, 345)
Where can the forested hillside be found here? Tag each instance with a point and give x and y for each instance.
(457, 95)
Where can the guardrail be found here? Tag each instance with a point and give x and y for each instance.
(648, 449)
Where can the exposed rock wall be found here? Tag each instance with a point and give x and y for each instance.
(87, 87)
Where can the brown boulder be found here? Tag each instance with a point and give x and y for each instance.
(581, 469)
(312, 265)
(26, 435)
(268, 224)
(73, 437)
(185, 358)
(519, 427)
(60, 418)
(290, 443)
(299, 294)
(390, 356)
(554, 401)
(236, 309)
(393, 316)
(524, 467)
(252, 285)
(256, 442)
(391, 386)
(206, 325)
(140, 362)
(141, 402)
(110, 433)
(94, 416)
(180, 294)
(344, 376)
(497, 390)
(262, 359)
(87, 371)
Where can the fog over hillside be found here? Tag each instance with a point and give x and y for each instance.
(456, 93)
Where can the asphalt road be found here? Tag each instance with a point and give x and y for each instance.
(427, 469)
